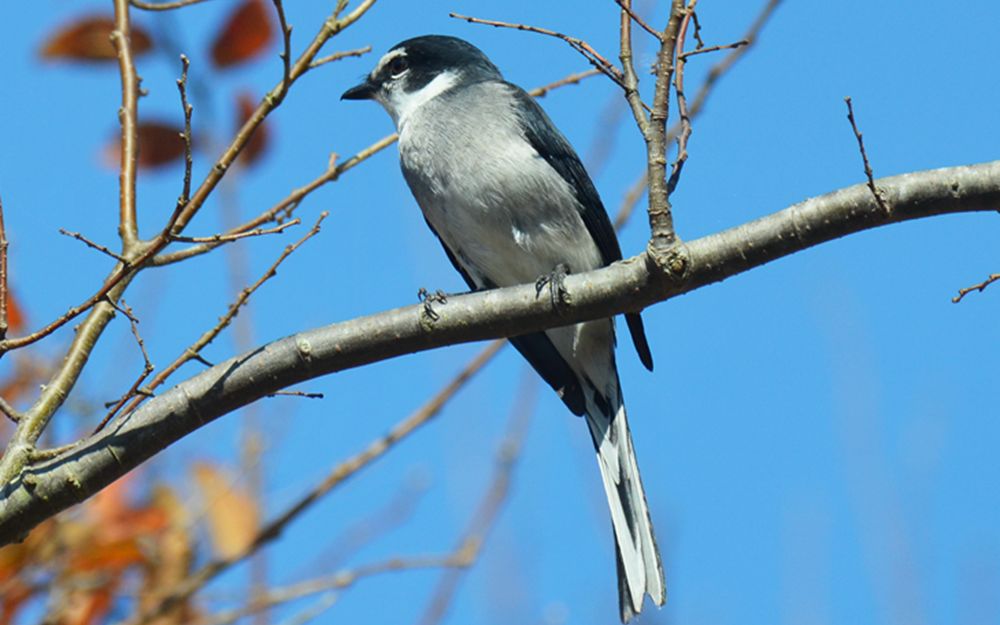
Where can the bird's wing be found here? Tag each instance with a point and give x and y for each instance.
(536, 348)
(543, 136)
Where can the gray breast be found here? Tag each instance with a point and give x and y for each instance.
(491, 198)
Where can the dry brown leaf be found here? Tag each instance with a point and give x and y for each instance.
(160, 144)
(231, 512)
(89, 39)
(245, 106)
(246, 33)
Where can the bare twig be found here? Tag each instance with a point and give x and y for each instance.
(492, 502)
(186, 109)
(661, 221)
(719, 69)
(236, 236)
(572, 79)
(286, 42)
(336, 56)
(62, 381)
(864, 157)
(321, 605)
(626, 6)
(682, 108)
(663, 239)
(147, 366)
(697, 105)
(593, 56)
(41, 455)
(337, 476)
(284, 207)
(338, 581)
(182, 217)
(370, 527)
(699, 44)
(193, 352)
(465, 552)
(93, 245)
(976, 287)
(9, 411)
(630, 78)
(726, 46)
(128, 117)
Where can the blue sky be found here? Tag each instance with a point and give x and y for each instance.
(818, 441)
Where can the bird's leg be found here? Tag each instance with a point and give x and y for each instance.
(555, 282)
(428, 299)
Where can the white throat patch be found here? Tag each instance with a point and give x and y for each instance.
(401, 105)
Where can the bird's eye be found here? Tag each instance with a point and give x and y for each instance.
(397, 66)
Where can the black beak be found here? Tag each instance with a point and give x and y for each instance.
(364, 91)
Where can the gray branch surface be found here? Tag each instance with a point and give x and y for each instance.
(53, 485)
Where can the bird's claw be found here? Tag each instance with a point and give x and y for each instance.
(557, 289)
(428, 299)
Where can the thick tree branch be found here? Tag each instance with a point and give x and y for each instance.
(49, 487)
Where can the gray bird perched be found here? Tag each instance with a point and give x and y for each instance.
(510, 202)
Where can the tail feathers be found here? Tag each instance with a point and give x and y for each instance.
(640, 571)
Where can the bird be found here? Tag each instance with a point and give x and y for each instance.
(511, 203)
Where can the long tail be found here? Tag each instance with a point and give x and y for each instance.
(640, 571)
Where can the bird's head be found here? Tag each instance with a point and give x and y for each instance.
(417, 70)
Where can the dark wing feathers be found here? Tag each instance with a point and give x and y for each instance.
(557, 152)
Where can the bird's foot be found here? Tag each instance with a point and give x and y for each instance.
(428, 299)
(557, 289)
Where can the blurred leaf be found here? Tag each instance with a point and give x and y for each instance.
(171, 563)
(246, 33)
(15, 316)
(160, 144)
(16, 592)
(259, 140)
(89, 39)
(114, 538)
(85, 606)
(231, 511)
(15, 559)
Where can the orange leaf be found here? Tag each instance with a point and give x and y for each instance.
(89, 39)
(15, 316)
(107, 556)
(160, 144)
(258, 142)
(246, 34)
(231, 511)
